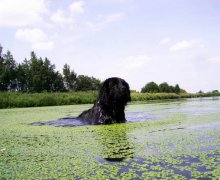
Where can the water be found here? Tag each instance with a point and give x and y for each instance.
(177, 139)
(158, 111)
(63, 122)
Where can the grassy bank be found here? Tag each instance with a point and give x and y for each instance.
(12, 100)
(161, 96)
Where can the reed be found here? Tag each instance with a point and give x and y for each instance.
(17, 100)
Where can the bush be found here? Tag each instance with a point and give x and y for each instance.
(11, 100)
(151, 87)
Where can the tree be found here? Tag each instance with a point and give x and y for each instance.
(164, 88)
(200, 92)
(58, 84)
(37, 75)
(69, 78)
(150, 87)
(177, 89)
(2, 74)
(215, 91)
(86, 83)
(8, 71)
(24, 76)
(52, 80)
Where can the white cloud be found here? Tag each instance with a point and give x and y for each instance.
(135, 62)
(30, 35)
(113, 17)
(21, 12)
(165, 41)
(214, 60)
(36, 37)
(77, 7)
(111, 1)
(63, 17)
(186, 45)
(45, 46)
(104, 20)
(182, 45)
(60, 18)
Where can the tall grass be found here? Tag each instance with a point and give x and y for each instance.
(12, 100)
(161, 96)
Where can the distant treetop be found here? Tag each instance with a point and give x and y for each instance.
(152, 87)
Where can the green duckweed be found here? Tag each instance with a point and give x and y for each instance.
(178, 146)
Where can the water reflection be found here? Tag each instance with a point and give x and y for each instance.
(115, 145)
(63, 122)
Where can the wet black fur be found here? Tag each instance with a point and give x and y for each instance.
(114, 94)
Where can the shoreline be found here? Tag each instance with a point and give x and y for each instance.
(22, 100)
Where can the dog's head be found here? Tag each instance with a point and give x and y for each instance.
(114, 91)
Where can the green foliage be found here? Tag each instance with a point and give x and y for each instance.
(150, 87)
(144, 97)
(86, 83)
(165, 88)
(37, 75)
(200, 92)
(69, 78)
(12, 100)
(8, 72)
(215, 91)
(177, 89)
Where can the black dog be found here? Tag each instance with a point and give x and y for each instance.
(114, 94)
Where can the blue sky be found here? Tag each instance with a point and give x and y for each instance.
(174, 41)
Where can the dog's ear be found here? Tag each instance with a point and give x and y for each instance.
(104, 93)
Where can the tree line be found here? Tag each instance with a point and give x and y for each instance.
(39, 75)
(152, 87)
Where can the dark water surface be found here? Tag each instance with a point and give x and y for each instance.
(151, 112)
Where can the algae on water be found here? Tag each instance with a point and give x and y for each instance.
(179, 140)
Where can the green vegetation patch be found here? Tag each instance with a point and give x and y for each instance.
(12, 100)
(179, 146)
(18, 100)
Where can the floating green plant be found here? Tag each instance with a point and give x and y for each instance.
(182, 145)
